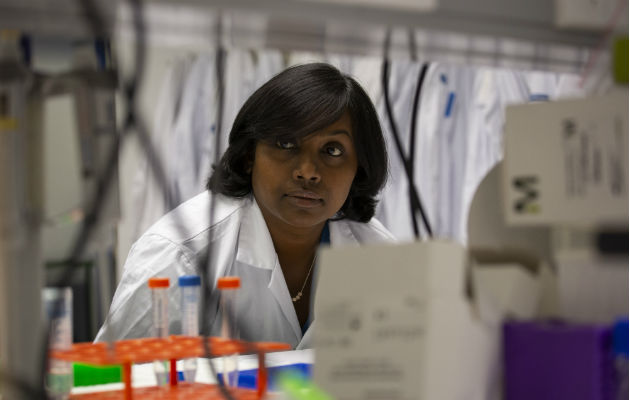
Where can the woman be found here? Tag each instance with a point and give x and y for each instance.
(306, 159)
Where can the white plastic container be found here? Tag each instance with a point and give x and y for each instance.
(57, 303)
(190, 286)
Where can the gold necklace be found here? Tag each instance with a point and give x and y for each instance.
(298, 296)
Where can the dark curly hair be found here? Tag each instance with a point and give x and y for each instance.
(293, 104)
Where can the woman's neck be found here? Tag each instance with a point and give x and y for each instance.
(296, 248)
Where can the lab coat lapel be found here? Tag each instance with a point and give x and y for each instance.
(278, 287)
(307, 339)
(254, 241)
(255, 248)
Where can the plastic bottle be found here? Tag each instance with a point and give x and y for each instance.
(58, 309)
(190, 288)
(159, 302)
(620, 351)
(229, 285)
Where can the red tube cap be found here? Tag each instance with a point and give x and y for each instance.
(229, 282)
(158, 283)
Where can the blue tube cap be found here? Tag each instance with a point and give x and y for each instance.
(189, 280)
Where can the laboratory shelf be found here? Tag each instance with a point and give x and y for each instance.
(172, 348)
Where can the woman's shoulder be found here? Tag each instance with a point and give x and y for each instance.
(192, 218)
(346, 231)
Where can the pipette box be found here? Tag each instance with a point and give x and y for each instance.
(554, 360)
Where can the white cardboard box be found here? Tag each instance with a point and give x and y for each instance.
(566, 162)
(394, 322)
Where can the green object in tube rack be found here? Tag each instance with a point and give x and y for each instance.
(89, 375)
(296, 387)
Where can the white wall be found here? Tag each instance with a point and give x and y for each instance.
(62, 185)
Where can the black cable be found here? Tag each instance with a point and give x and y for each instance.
(104, 181)
(203, 264)
(203, 267)
(415, 198)
(156, 166)
(132, 122)
(412, 154)
(412, 141)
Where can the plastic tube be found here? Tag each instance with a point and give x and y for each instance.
(229, 286)
(159, 303)
(190, 288)
(58, 308)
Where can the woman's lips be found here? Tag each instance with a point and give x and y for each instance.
(306, 194)
(304, 198)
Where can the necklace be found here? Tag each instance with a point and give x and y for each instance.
(298, 296)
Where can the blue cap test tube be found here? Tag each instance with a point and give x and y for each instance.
(190, 292)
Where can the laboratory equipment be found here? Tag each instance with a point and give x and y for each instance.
(20, 219)
(159, 304)
(190, 291)
(580, 172)
(172, 348)
(57, 303)
(229, 285)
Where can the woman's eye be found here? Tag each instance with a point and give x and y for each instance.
(334, 151)
(285, 144)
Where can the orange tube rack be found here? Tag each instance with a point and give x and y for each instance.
(127, 352)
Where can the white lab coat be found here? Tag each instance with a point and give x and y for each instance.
(148, 200)
(459, 137)
(394, 209)
(242, 246)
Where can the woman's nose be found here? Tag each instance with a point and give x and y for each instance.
(306, 170)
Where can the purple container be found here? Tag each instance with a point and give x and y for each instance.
(557, 361)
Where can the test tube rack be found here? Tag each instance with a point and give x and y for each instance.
(172, 348)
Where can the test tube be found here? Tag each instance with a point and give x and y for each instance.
(58, 309)
(229, 285)
(190, 287)
(159, 302)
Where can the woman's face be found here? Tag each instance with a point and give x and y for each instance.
(304, 183)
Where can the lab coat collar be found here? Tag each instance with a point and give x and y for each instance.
(255, 246)
(341, 233)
